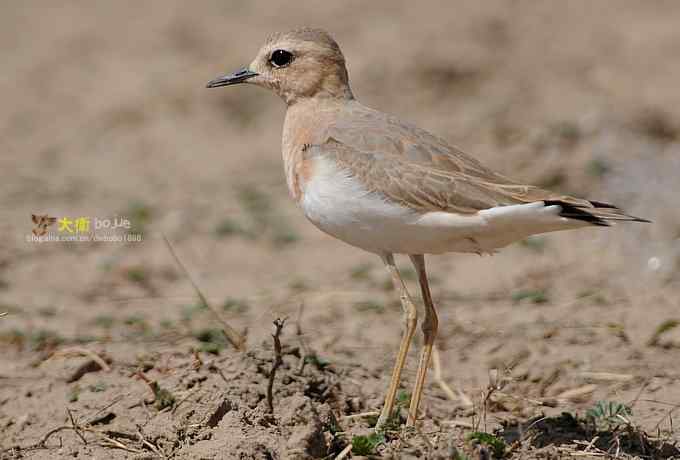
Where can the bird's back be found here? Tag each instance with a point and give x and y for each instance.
(370, 130)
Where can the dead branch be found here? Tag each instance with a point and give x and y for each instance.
(154, 448)
(436, 364)
(345, 452)
(237, 340)
(106, 437)
(43, 441)
(278, 360)
(76, 428)
(79, 351)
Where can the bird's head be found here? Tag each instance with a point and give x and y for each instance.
(302, 63)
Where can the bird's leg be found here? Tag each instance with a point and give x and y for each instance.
(410, 318)
(430, 331)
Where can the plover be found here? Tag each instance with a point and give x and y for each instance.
(388, 187)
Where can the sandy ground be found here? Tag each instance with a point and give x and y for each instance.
(104, 114)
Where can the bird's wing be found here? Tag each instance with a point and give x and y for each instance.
(425, 188)
(369, 130)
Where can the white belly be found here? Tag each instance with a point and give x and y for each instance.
(339, 205)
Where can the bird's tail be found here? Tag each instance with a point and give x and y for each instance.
(593, 212)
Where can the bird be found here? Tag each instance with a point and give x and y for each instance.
(388, 187)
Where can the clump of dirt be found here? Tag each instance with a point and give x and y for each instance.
(303, 424)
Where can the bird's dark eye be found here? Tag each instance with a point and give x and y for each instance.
(281, 58)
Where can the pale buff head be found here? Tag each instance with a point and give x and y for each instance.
(300, 64)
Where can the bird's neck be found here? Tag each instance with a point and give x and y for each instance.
(308, 120)
(306, 123)
(333, 87)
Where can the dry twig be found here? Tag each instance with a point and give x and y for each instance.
(236, 339)
(278, 360)
(79, 351)
(577, 393)
(361, 415)
(345, 452)
(75, 426)
(154, 448)
(436, 364)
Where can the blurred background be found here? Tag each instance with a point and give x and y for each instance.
(104, 113)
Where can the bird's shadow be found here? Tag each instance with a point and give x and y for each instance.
(569, 432)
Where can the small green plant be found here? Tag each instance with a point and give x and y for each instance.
(85, 338)
(136, 321)
(394, 421)
(534, 243)
(137, 274)
(256, 203)
(212, 340)
(44, 339)
(591, 295)
(408, 274)
(317, 361)
(387, 285)
(661, 329)
(162, 397)
(459, 456)
(98, 387)
(284, 235)
(369, 305)
(598, 167)
(73, 394)
(104, 321)
(139, 214)
(566, 131)
(537, 297)
(235, 305)
(298, 285)
(618, 330)
(229, 227)
(261, 219)
(403, 399)
(189, 311)
(607, 415)
(496, 444)
(361, 272)
(367, 445)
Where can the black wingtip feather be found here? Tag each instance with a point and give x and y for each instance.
(640, 219)
(600, 204)
(572, 212)
(585, 214)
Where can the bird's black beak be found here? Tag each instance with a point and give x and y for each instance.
(239, 76)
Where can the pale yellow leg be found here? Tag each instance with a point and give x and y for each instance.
(430, 326)
(410, 317)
